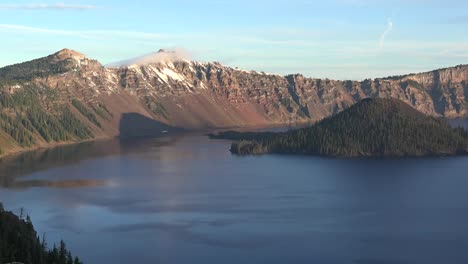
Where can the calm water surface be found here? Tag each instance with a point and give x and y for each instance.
(186, 199)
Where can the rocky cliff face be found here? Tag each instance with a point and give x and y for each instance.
(198, 95)
(272, 98)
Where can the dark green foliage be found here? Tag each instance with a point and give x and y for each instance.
(102, 111)
(19, 243)
(156, 107)
(42, 67)
(244, 147)
(77, 261)
(161, 110)
(233, 135)
(31, 112)
(373, 127)
(47, 126)
(84, 111)
(20, 100)
(14, 127)
(22, 116)
(74, 126)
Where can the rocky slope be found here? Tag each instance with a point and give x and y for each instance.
(154, 97)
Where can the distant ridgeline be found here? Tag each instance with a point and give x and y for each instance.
(68, 97)
(20, 243)
(373, 127)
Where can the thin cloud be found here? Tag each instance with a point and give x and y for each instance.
(57, 6)
(171, 55)
(385, 33)
(12, 28)
(16, 28)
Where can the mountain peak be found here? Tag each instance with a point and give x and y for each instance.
(69, 54)
(74, 60)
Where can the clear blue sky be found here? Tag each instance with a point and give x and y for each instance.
(341, 39)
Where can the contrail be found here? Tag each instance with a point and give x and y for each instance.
(388, 30)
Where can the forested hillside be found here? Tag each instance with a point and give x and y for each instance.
(373, 127)
(37, 68)
(25, 122)
(19, 242)
(67, 97)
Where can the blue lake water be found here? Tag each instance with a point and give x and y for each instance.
(186, 199)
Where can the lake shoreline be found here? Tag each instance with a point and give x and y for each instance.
(16, 152)
(205, 131)
(185, 197)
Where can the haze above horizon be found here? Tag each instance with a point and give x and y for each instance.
(341, 39)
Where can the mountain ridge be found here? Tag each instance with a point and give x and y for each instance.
(67, 53)
(195, 95)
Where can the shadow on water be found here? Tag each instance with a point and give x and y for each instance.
(134, 125)
(186, 199)
(137, 132)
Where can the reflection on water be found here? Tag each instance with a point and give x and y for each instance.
(22, 184)
(186, 199)
(12, 168)
(459, 122)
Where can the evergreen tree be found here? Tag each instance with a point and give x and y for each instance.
(20, 243)
(69, 258)
(373, 127)
(62, 253)
(77, 261)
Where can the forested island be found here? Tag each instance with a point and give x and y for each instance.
(370, 128)
(19, 243)
(67, 97)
